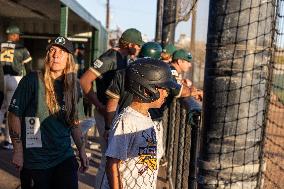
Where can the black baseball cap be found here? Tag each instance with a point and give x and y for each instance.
(61, 42)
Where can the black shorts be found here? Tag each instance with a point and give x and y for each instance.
(62, 176)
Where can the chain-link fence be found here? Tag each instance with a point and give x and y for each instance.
(182, 126)
(240, 144)
(243, 121)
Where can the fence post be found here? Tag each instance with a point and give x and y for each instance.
(238, 44)
(194, 119)
(180, 150)
(169, 22)
(170, 142)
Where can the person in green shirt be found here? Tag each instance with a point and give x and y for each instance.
(43, 113)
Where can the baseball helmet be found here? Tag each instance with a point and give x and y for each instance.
(145, 75)
(151, 50)
(13, 30)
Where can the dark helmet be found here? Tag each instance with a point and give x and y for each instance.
(151, 50)
(146, 75)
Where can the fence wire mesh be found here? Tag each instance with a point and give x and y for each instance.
(184, 9)
(182, 120)
(242, 139)
(236, 80)
(274, 135)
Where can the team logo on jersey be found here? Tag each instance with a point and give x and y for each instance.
(60, 40)
(148, 154)
(174, 73)
(8, 45)
(98, 63)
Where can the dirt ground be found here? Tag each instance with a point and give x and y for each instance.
(274, 147)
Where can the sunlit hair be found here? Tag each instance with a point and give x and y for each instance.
(70, 91)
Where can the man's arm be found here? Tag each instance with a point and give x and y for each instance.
(14, 124)
(191, 91)
(185, 91)
(111, 107)
(27, 61)
(79, 141)
(112, 172)
(86, 82)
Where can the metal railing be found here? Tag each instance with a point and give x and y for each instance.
(182, 125)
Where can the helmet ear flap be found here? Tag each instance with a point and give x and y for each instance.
(146, 93)
(153, 95)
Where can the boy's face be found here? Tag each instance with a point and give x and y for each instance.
(159, 102)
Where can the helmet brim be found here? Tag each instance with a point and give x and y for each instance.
(170, 84)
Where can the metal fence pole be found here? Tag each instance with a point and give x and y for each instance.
(176, 142)
(194, 119)
(180, 149)
(169, 22)
(170, 141)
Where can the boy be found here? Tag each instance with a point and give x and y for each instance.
(102, 72)
(133, 147)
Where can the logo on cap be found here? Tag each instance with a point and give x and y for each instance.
(60, 40)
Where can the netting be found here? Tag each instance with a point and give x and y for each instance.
(236, 88)
(243, 114)
(274, 135)
(184, 9)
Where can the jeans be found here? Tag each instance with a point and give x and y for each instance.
(62, 176)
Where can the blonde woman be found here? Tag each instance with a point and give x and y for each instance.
(42, 115)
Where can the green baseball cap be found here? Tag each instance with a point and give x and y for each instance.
(132, 35)
(182, 54)
(169, 49)
(13, 30)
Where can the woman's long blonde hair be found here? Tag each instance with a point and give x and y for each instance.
(70, 91)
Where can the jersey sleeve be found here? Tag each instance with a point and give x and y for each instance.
(115, 88)
(175, 77)
(22, 96)
(120, 140)
(26, 56)
(104, 63)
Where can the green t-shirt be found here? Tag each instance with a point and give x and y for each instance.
(47, 143)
